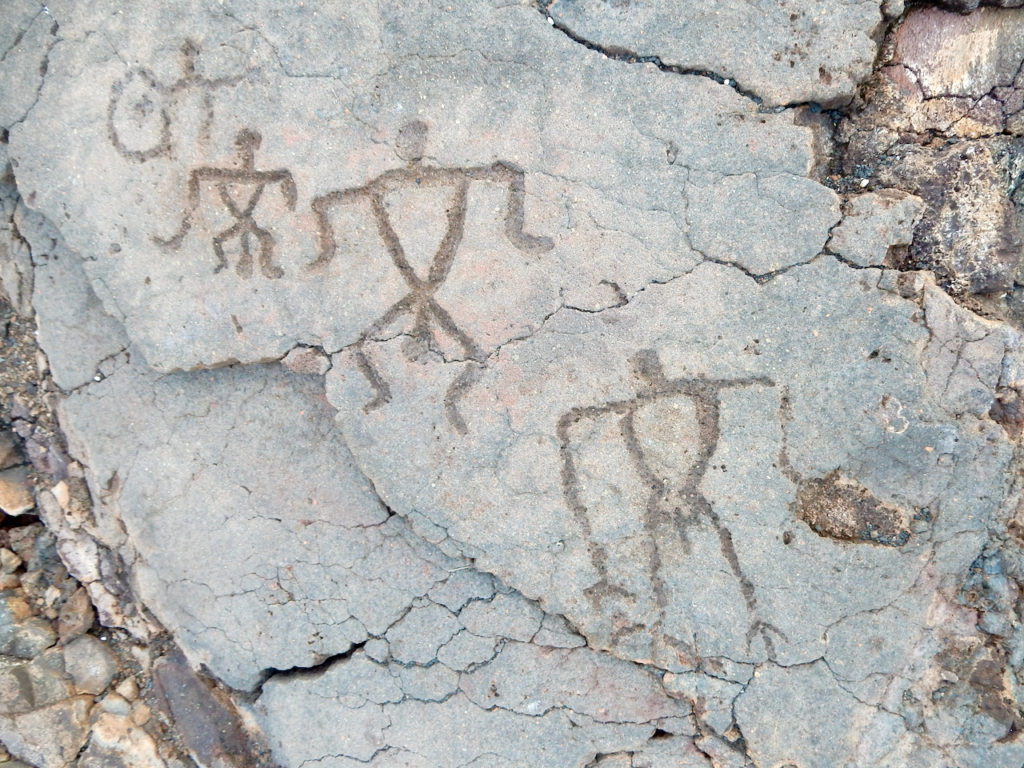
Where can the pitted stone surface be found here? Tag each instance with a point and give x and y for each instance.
(501, 388)
(934, 45)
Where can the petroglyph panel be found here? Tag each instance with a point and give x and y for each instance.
(439, 360)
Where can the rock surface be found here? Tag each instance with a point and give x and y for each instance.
(506, 388)
(801, 51)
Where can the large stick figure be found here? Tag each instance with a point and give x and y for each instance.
(675, 503)
(420, 303)
(251, 183)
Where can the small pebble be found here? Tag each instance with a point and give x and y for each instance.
(128, 688)
(9, 562)
(90, 664)
(16, 491)
(140, 713)
(116, 705)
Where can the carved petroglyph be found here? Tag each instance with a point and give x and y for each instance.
(429, 317)
(675, 504)
(250, 184)
(140, 115)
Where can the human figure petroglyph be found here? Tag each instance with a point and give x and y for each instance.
(141, 99)
(251, 183)
(420, 302)
(676, 503)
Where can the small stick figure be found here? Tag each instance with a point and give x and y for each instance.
(251, 182)
(675, 503)
(420, 303)
(141, 104)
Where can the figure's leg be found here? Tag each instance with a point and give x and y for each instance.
(218, 245)
(466, 379)
(763, 628)
(381, 388)
(244, 265)
(454, 393)
(269, 269)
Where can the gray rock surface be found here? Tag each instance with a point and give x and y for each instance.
(877, 225)
(90, 664)
(470, 394)
(801, 51)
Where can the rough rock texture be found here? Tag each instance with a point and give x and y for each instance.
(505, 388)
(943, 119)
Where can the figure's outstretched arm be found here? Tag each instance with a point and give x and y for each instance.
(322, 206)
(289, 190)
(174, 241)
(515, 214)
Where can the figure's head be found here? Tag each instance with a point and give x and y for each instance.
(647, 367)
(248, 140)
(411, 142)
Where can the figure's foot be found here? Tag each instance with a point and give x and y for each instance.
(765, 630)
(455, 392)
(272, 271)
(380, 386)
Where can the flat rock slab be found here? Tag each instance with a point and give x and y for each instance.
(503, 388)
(801, 51)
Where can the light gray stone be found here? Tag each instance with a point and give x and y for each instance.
(21, 634)
(712, 698)
(50, 736)
(394, 734)
(799, 52)
(418, 635)
(434, 683)
(774, 222)
(327, 565)
(532, 680)
(580, 191)
(555, 632)
(819, 716)
(465, 650)
(30, 685)
(29, 33)
(73, 327)
(781, 354)
(875, 222)
(90, 664)
(578, 420)
(461, 587)
(506, 615)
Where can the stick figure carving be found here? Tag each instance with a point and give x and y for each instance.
(675, 503)
(141, 103)
(251, 183)
(420, 303)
